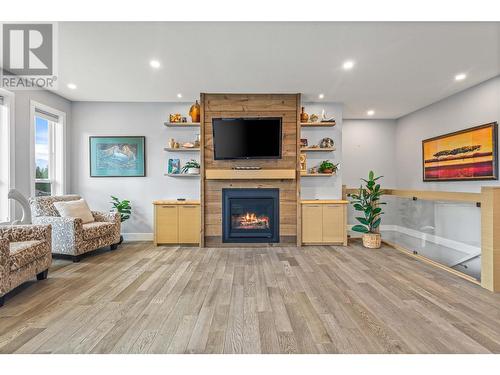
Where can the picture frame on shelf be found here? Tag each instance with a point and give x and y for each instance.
(174, 166)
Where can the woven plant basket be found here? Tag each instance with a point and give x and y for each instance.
(372, 240)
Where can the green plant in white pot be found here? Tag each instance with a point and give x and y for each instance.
(191, 167)
(368, 202)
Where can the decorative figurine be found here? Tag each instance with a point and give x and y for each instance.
(326, 143)
(304, 117)
(194, 112)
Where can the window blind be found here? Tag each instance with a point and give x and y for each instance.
(46, 115)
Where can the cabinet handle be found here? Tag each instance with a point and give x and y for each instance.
(189, 206)
(334, 206)
(168, 206)
(311, 205)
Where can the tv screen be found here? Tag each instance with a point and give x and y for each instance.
(247, 138)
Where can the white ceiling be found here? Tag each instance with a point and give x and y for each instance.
(400, 67)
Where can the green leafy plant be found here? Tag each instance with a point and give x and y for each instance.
(368, 202)
(123, 207)
(190, 164)
(327, 165)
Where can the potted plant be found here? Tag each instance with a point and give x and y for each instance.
(327, 166)
(123, 208)
(191, 167)
(368, 201)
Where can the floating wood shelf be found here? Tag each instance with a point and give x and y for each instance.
(182, 124)
(317, 124)
(185, 149)
(181, 175)
(317, 174)
(259, 174)
(317, 149)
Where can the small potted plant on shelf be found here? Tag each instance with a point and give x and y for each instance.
(327, 166)
(368, 201)
(191, 167)
(123, 208)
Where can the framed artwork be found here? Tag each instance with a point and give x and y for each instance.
(117, 156)
(174, 166)
(303, 142)
(466, 155)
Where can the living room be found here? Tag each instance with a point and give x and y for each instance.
(249, 187)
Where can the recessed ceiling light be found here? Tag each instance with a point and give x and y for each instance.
(71, 86)
(348, 65)
(371, 112)
(321, 96)
(179, 95)
(154, 64)
(460, 77)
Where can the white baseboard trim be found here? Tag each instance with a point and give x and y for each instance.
(460, 246)
(137, 237)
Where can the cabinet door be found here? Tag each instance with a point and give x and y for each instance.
(189, 224)
(312, 230)
(333, 223)
(166, 224)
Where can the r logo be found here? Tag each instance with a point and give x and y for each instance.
(28, 49)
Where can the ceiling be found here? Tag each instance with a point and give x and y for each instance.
(399, 67)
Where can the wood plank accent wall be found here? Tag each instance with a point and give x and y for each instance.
(285, 106)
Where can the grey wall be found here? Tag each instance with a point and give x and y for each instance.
(369, 145)
(475, 106)
(129, 119)
(22, 135)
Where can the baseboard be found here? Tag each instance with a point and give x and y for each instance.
(137, 237)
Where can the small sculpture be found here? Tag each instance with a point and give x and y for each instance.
(326, 143)
(325, 118)
(314, 117)
(25, 205)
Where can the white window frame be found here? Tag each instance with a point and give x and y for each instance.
(57, 142)
(7, 153)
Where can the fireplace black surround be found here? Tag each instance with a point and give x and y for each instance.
(250, 215)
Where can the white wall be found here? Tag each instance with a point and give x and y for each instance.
(475, 106)
(369, 145)
(129, 119)
(324, 187)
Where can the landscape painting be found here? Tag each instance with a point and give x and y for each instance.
(117, 157)
(466, 155)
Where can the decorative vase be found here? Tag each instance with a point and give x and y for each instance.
(304, 117)
(372, 240)
(194, 112)
(193, 171)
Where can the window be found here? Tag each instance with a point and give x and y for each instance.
(48, 134)
(6, 136)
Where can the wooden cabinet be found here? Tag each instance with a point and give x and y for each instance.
(177, 222)
(324, 222)
(189, 223)
(312, 228)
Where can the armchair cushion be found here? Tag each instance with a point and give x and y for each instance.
(77, 209)
(17, 233)
(44, 206)
(26, 252)
(97, 229)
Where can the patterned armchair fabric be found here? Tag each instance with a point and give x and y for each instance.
(25, 251)
(70, 236)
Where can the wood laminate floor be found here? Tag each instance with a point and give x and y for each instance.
(146, 299)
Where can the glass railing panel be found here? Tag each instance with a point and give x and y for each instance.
(444, 231)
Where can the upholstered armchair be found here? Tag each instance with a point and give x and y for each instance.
(25, 252)
(70, 237)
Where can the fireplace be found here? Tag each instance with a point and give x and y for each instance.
(250, 215)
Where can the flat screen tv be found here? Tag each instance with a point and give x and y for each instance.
(247, 138)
